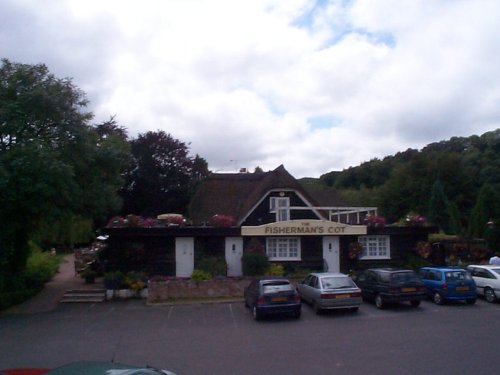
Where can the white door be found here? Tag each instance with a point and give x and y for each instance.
(234, 252)
(331, 253)
(184, 256)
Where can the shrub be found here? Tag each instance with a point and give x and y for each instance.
(40, 268)
(136, 280)
(275, 269)
(254, 264)
(213, 266)
(200, 275)
(113, 280)
(414, 262)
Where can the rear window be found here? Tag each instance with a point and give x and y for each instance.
(457, 275)
(276, 286)
(337, 282)
(404, 277)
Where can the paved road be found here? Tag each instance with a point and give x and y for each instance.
(223, 339)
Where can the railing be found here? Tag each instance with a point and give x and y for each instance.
(346, 215)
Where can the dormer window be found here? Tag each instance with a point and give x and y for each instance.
(281, 207)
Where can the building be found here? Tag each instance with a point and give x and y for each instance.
(271, 212)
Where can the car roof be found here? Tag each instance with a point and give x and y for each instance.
(390, 269)
(444, 268)
(261, 279)
(486, 266)
(329, 274)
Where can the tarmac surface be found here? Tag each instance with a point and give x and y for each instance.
(49, 297)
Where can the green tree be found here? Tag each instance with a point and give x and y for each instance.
(162, 175)
(438, 213)
(487, 209)
(54, 166)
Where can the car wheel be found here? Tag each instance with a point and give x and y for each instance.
(438, 298)
(489, 294)
(379, 302)
(471, 301)
(415, 303)
(316, 308)
(255, 313)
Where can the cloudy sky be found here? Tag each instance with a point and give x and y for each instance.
(314, 85)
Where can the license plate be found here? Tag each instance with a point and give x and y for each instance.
(408, 290)
(342, 296)
(278, 299)
(462, 288)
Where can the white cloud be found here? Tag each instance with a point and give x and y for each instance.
(244, 80)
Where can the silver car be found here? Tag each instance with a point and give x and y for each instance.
(330, 291)
(487, 279)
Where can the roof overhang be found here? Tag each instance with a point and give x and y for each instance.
(304, 228)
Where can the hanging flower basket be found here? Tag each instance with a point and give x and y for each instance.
(355, 250)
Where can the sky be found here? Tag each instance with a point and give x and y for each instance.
(317, 86)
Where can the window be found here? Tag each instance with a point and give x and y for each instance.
(283, 248)
(281, 207)
(375, 247)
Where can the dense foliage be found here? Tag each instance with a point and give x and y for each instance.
(454, 183)
(162, 176)
(61, 176)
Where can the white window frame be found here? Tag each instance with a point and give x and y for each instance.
(283, 248)
(281, 207)
(375, 247)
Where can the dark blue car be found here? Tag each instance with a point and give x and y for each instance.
(448, 284)
(272, 296)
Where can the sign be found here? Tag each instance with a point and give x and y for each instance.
(304, 228)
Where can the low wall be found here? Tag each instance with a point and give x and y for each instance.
(178, 289)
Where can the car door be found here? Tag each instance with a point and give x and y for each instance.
(367, 283)
(251, 293)
(478, 279)
(304, 289)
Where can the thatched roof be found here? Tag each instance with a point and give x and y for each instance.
(236, 193)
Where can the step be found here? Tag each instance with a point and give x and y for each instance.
(84, 295)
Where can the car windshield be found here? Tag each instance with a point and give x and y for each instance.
(276, 286)
(337, 282)
(457, 275)
(404, 277)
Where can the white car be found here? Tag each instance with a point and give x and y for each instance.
(487, 279)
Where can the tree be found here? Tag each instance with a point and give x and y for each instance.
(439, 207)
(54, 166)
(162, 176)
(487, 209)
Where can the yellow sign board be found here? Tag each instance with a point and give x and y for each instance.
(304, 228)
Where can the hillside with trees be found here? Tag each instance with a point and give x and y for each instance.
(454, 183)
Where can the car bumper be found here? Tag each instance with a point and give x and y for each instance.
(460, 297)
(279, 309)
(404, 297)
(340, 303)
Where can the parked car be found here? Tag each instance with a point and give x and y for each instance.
(487, 279)
(391, 285)
(448, 284)
(271, 296)
(89, 368)
(330, 291)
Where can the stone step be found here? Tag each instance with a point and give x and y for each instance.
(84, 296)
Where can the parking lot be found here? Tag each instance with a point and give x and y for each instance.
(223, 338)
